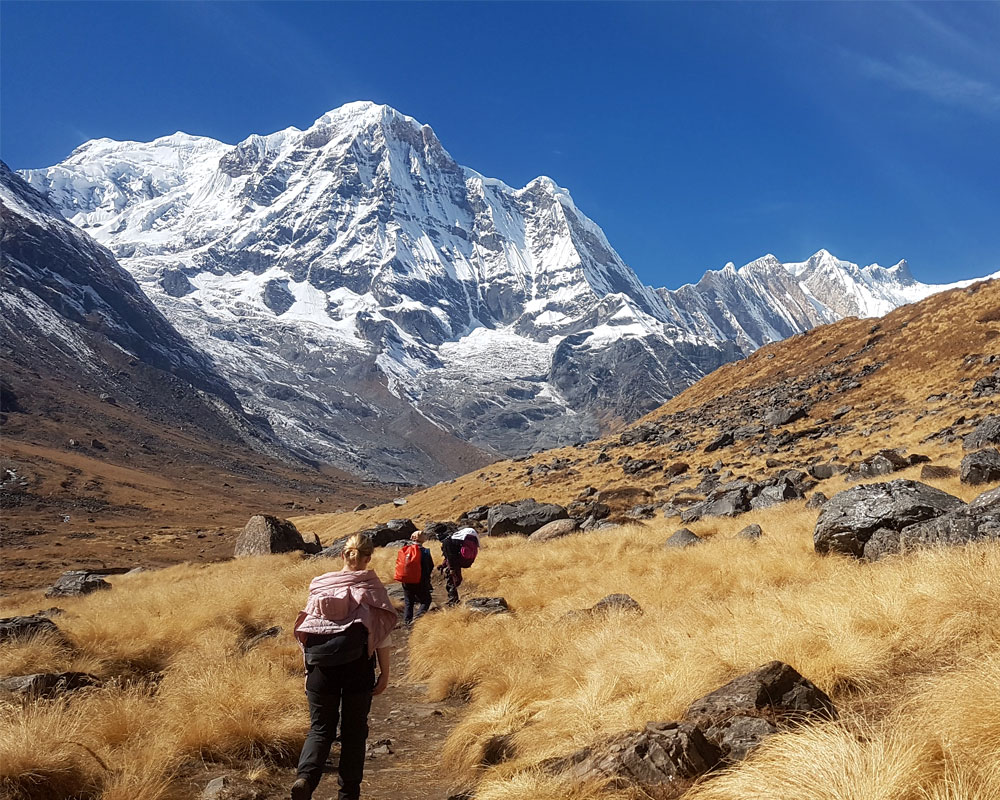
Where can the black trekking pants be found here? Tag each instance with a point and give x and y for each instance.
(341, 693)
(414, 593)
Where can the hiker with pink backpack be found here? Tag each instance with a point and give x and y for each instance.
(459, 550)
(414, 566)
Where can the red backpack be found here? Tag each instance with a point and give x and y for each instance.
(408, 564)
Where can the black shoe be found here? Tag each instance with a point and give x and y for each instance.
(301, 790)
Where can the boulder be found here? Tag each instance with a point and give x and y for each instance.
(722, 440)
(738, 716)
(977, 521)
(852, 517)
(265, 535)
(816, 500)
(783, 416)
(675, 469)
(440, 530)
(883, 462)
(588, 509)
(487, 605)
(981, 466)
(986, 433)
(554, 530)
(682, 538)
(664, 755)
(523, 517)
(780, 491)
(76, 583)
(14, 629)
(384, 535)
(615, 603)
(477, 514)
(47, 684)
(751, 532)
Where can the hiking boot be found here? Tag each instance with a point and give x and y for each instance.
(301, 790)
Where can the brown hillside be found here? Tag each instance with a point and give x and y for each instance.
(907, 380)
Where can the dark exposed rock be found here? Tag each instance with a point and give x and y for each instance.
(722, 440)
(642, 511)
(852, 517)
(977, 521)
(615, 602)
(77, 582)
(47, 684)
(264, 535)
(682, 538)
(675, 469)
(986, 433)
(523, 517)
(981, 466)
(784, 416)
(637, 466)
(584, 509)
(250, 643)
(737, 716)
(487, 605)
(781, 491)
(477, 514)
(816, 500)
(20, 628)
(175, 283)
(381, 535)
(822, 472)
(661, 756)
(439, 530)
(882, 463)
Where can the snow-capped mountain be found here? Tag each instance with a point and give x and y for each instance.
(355, 284)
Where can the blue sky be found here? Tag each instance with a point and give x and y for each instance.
(694, 134)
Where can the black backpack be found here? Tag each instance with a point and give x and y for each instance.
(331, 650)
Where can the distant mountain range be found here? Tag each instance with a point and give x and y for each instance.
(398, 315)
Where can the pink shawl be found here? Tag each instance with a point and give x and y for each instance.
(338, 599)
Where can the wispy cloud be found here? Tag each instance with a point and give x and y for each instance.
(941, 84)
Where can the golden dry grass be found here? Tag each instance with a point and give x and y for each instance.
(908, 648)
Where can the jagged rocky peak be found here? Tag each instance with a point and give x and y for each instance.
(373, 298)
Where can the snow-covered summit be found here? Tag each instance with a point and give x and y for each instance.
(316, 265)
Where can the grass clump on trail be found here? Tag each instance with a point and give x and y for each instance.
(908, 648)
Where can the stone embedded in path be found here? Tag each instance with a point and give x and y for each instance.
(487, 605)
(266, 535)
(554, 530)
(977, 521)
(981, 466)
(852, 517)
(522, 517)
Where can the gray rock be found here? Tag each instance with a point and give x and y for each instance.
(722, 440)
(783, 490)
(554, 530)
(986, 433)
(487, 605)
(384, 535)
(76, 583)
(48, 684)
(751, 532)
(523, 517)
(682, 538)
(850, 518)
(883, 462)
(783, 416)
(663, 755)
(978, 521)
(250, 643)
(265, 535)
(816, 500)
(980, 466)
(14, 629)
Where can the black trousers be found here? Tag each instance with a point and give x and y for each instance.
(453, 579)
(341, 693)
(414, 593)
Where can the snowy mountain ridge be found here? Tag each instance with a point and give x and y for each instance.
(352, 281)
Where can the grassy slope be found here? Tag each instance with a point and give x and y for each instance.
(908, 648)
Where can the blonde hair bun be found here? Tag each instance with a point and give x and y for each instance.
(359, 547)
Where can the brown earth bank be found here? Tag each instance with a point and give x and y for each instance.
(91, 482)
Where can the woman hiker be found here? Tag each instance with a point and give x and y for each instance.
(345, 627)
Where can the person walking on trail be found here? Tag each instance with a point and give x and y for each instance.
(416, 592)
(346, 626)
(459, 551)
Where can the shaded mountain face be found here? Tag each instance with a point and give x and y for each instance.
(397, 314)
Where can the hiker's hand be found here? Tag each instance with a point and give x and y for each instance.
(382, 683)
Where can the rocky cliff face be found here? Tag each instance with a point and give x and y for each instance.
(397, 314)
